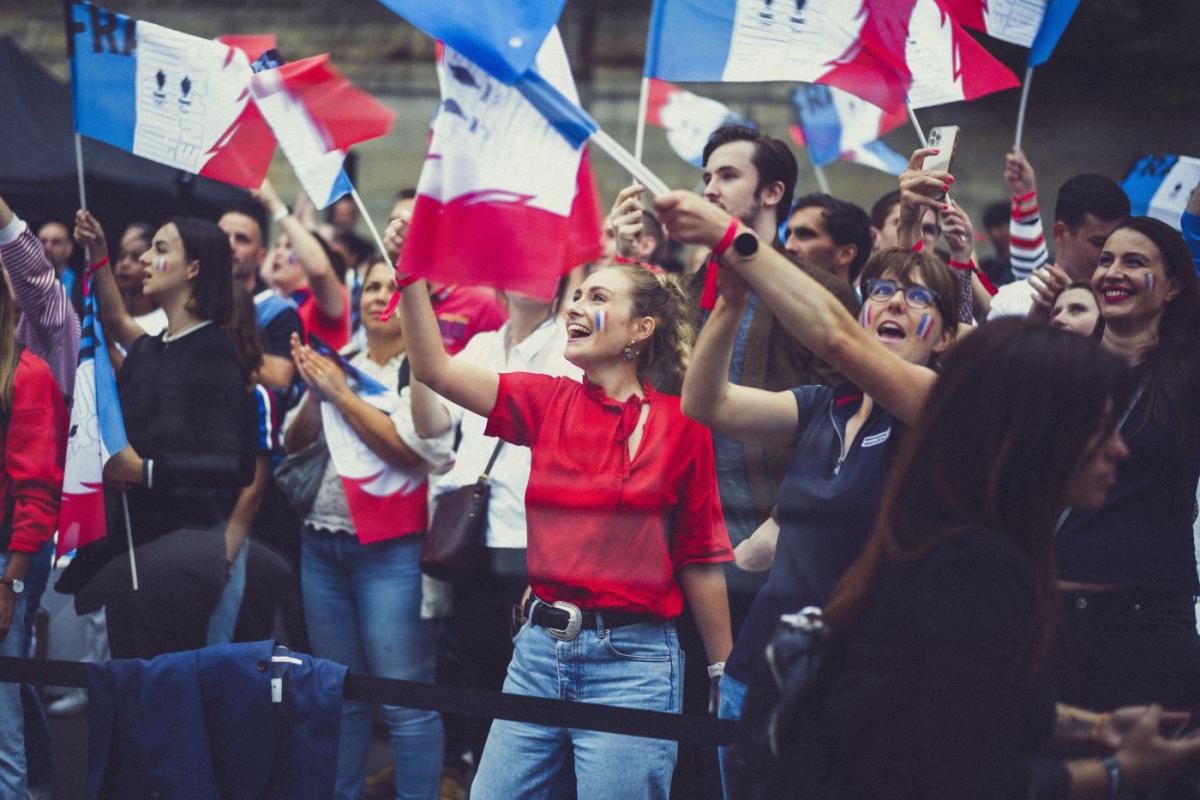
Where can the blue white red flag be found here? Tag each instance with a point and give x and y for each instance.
(834, 124)
(384, 500)
(1159, 186)
(1036, 24)
(317, 114)
(505, 198)
(176, 99)
(97, 432)
(884, 51)
(503, 37)
(687, 118)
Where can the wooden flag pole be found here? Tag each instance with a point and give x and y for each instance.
(1021, 109)
(643, 104)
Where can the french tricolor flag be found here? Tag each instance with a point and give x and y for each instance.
(885, 51)
(97, 432)
(687, 118)
(317, 114)
(833, 125)
(160, 94)
(506, 197)
(1036, 24)
(384, 500)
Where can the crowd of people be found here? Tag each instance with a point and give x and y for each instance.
(754, 403)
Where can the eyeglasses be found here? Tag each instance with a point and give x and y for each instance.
(882, 289)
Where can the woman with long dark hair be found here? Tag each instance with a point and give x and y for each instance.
(943, 626)
(190, 421)
(624, 524)
(1127, 570)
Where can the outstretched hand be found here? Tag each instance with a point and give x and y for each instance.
(690, 219)
(395, 234)
(959, 233)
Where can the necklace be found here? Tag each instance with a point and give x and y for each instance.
(170, 337)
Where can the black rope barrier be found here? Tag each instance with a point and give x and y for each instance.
(688, 728)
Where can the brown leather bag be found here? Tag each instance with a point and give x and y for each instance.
(455, 548)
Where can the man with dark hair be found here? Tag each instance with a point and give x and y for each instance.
(998, 266)
(885, 223)
(1087, 209)
(751, 176)
(277, 318)
(829, 233)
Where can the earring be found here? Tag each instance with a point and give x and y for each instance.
(629, 351)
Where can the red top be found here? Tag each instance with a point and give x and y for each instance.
(605, 532)
(334, 332)
(34, 444)
(463, 311)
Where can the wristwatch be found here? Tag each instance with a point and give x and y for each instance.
(746, 244)
(17, 584)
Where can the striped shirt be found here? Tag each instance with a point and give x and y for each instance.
(49, 326)
(1026, 238)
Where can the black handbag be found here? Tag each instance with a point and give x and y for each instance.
(299, 475)
(781, 748)
(455, 548)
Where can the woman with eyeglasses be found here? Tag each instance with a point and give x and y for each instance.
(844, 441)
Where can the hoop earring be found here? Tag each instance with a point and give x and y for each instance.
(629, 352)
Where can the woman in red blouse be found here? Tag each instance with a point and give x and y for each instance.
(624, 524)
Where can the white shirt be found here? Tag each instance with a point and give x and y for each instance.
(330, 511)
(1013, 300)
(541, 352)
(154, 322)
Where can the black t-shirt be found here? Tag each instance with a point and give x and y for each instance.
(188, 408)
(928, 693)
(1142, 535)
(277, 334)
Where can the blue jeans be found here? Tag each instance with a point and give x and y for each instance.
(12, 729)
(38, 758)
(636, 666)
(224, 617)
(363, 604)
(733, 697)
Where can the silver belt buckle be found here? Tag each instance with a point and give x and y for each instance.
(574, 622)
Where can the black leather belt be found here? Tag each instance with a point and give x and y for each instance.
(564, 621)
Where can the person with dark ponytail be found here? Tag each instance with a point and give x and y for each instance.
(1127, 570)
(624, 525)
(190, 421)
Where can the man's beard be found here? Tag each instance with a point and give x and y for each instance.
(750, 218)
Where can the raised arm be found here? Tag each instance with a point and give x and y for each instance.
(469, 386)
(739, 412)
(38, 292)
(1026, 237)
(327, 290)
(430, 415)
(806, 309)
(119, 326)
(1190, 225)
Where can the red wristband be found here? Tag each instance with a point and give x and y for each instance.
(969, 266)
(99, 264)
(918, 245)
(727, 239)
(623, 260)
(1024, 198)
(404, 283)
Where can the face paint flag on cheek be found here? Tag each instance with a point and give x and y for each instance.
(160, 264)
(1149, 280)
(925, 326)
(864, 317)
(601, 319)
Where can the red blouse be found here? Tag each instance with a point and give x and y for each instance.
(606, 532)
(34, 444)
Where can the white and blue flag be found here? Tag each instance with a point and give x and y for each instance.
(1159, 186)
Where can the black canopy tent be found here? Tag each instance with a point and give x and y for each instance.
(38, 177)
